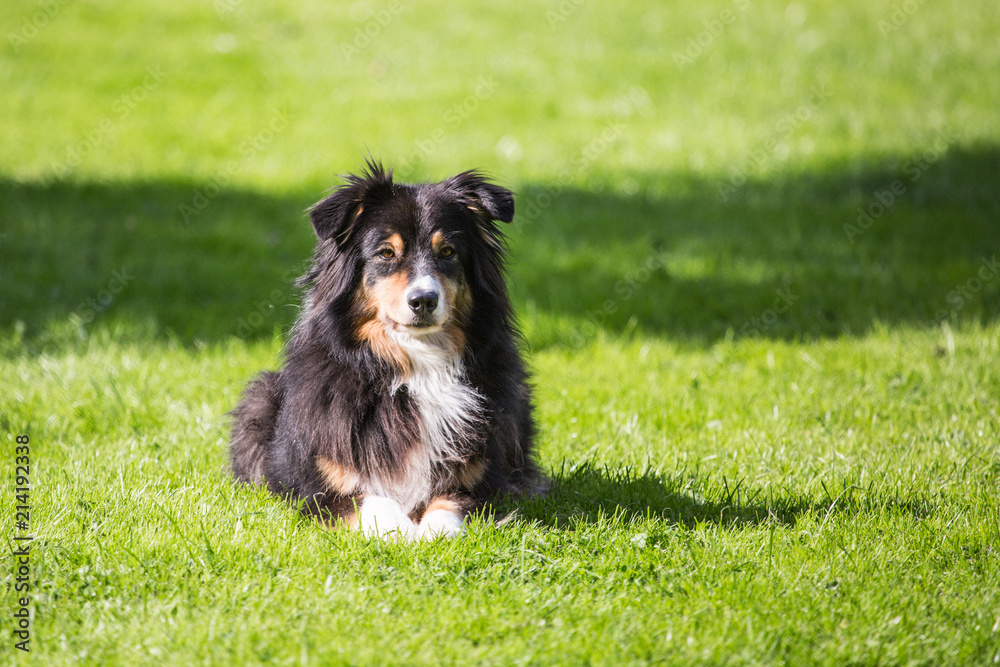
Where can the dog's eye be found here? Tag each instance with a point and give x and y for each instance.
(386, 253)
(446, 252)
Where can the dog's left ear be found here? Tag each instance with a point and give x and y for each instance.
(483, 197)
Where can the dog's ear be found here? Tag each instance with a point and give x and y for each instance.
(483, 197)
(336, 216)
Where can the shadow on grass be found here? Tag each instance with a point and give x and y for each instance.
(589, 495)
(803, 256)
(771, 259)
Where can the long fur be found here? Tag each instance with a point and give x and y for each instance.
(434, 424)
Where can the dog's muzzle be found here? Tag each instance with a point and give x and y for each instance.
(425, 297)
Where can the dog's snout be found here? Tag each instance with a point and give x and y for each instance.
(423, 302)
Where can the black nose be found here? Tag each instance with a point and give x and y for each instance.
(423, 303)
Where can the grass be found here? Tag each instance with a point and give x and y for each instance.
(772, 422)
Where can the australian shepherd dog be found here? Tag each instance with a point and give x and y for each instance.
(403, 403)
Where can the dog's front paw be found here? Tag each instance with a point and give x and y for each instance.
(384, 517)
(440, 523)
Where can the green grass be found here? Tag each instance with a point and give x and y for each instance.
(773, 430)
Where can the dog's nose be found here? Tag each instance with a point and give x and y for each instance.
(423, 302)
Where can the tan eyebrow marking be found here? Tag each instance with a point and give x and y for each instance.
(396, 243)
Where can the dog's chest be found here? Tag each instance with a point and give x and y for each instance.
(449, 409)
(448, 406)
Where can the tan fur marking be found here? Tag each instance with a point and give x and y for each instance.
(470, 473)
(347, 521)
(461, 303)
(456, 336)
(374, 333)
(396, 243)
(389, 296)
(339, 478)
(354, 520)
(385, 301)
(437, 241)
(443, 503)
(350, 520)
(462, 298)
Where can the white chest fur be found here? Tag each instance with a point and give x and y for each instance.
(449, 407)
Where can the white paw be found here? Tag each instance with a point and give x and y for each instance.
(440, 523)
(384, 517)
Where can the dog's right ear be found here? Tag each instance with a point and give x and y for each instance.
(337, 216)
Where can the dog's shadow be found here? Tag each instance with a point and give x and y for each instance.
(592, 495)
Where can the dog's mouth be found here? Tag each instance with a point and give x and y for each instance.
(422, 329)
(416, 327)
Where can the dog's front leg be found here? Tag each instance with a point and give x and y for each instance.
(444, 517)
(379, 516)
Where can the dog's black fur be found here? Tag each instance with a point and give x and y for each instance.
(338, 422)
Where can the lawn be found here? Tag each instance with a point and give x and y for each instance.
(755, 261)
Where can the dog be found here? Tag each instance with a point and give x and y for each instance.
(403, 403)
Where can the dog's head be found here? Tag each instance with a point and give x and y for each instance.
(409, 259)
